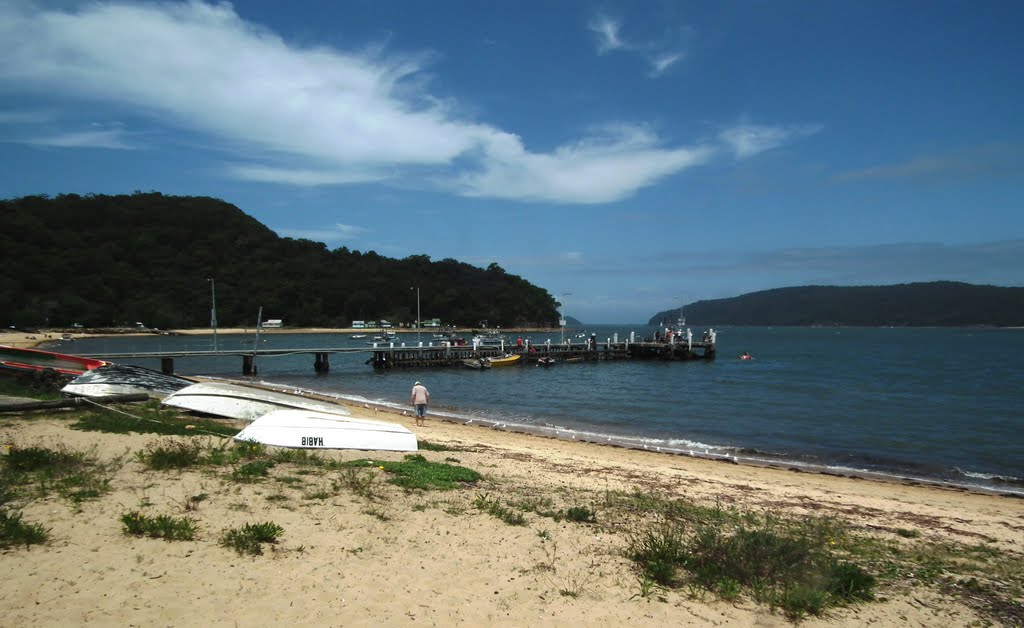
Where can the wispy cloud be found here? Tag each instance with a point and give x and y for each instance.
(659, 56)
(114, 139)
(985, 161)
(662, 62)
(312, 115)
(608, 166)
(303, 177)
(607, 31)
(337, 233)
(746, 140)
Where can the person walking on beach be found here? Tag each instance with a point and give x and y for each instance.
(419, 399)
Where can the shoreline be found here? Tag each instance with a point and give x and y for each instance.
(1015, 488)
(997, 486)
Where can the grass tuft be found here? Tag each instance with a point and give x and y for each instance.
(159, 527)
(14, 531)
(252, 471)
(494, 508)
(249, 539)
(150, 418)
(77, 476)
(416, 472)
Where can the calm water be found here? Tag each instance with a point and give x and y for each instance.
(939, 404)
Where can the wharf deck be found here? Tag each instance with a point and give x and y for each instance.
(390, 355)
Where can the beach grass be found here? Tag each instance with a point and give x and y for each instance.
(39, 471)
(415, 472)
(159, 527)
(15, 531)
(249, 539)
(149, 418)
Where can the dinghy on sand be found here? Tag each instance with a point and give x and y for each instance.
(237, 401)
(124, 379)
(315, 430)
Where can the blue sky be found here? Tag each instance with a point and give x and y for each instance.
(626, 156)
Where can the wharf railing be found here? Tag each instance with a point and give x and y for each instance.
(398, 355)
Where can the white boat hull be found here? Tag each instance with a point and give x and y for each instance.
(124, 379)
(304, 429)
(246, 403)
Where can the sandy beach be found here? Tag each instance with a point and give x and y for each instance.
(431, 557)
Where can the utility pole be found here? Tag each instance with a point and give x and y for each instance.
(561, 315)
(417, 313)
(213, 311)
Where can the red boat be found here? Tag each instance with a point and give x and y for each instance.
(33, 360)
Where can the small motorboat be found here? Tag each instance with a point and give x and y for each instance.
(357, 336)
(506, 360)
(477, 363)
(545, 361)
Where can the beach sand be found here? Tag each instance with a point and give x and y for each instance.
(432, 558)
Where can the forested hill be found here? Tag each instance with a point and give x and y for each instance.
(941, 303)
(110, 260)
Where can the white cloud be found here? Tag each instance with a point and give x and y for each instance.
(662, 62)
(747, 140)
(604, 168)
(304, 177)
(313, 115)
(337, 233)
(99, 138)
(607, 31)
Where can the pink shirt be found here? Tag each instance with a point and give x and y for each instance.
(420, 394)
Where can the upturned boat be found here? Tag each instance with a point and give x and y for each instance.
(315, 430)
(35, 360)
(237, 401)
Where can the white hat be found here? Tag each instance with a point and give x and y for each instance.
(416, 384)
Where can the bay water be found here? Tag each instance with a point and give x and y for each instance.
(933, 404)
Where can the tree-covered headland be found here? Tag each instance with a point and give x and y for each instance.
(106, 261)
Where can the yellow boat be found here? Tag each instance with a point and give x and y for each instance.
(508, 360)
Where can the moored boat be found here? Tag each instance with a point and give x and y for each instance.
(506, 360)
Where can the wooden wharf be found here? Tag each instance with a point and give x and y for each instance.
(396, 355)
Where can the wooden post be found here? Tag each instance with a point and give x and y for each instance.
(167, 366)
(248, 365)
(321, 364)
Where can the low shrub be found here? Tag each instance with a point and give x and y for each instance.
(249, 539)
